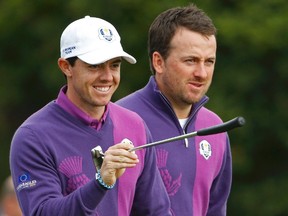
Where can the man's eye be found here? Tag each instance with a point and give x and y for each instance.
(210, 62)
(116, 65)
(94, 66)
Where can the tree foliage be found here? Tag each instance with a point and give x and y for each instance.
(250, 78)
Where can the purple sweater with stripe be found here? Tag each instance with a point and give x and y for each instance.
(54, 174)
(198, 177)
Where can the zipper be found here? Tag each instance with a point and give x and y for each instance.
(194, 111)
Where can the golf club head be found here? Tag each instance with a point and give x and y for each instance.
(97, 156)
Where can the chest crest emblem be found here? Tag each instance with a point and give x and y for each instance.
(205, 149)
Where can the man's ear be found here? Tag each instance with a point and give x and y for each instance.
(158, 62)
(65, 67)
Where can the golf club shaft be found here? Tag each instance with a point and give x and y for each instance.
(226, 126)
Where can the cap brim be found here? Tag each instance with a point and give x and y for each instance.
(96, 57)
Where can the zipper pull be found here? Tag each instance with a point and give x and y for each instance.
(186, 142)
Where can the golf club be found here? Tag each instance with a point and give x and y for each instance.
(98, 155)
(226, 126)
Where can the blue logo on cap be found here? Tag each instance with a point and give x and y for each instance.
(69, 50)
(106, 34)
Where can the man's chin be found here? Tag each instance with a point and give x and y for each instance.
(103, 102)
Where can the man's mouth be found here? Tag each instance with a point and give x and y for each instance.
(196, 84)
(102, 89)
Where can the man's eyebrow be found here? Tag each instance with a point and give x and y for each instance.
(118, 60)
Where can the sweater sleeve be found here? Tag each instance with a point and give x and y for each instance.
(37, 183)
(221, 186)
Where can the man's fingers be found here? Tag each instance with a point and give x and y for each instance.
(121, 152)
(117, 158)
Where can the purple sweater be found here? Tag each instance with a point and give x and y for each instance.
(54, 174)
(197, 177)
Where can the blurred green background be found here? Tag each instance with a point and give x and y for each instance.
(251, 78)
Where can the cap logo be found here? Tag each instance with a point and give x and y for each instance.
(69, 50)
(106, 34)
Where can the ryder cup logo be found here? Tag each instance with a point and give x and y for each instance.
(106, 34)
(205, 149)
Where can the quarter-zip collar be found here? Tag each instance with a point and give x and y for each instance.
(161, 101)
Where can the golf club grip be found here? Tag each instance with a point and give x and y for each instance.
(226, 126)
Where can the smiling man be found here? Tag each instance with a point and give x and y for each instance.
(50, 159)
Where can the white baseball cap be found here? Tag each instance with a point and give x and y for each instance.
(93, 40)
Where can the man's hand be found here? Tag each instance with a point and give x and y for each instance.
(116, 159)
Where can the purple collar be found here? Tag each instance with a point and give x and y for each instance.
(68, 106)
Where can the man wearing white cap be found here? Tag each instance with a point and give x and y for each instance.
(50, 158)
